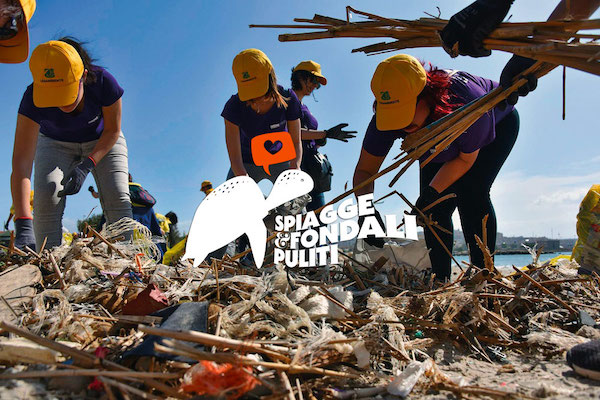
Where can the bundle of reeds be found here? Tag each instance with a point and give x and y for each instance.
(556, 42)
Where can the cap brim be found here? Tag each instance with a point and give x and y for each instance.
(391, 117)
(322, 80)
(253, 89)
(15, 50)
(55, 96)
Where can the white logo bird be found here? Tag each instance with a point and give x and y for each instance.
(237, 207)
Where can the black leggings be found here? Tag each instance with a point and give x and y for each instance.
(472, 199)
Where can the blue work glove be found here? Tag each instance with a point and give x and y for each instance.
(371, 239)
(513, 68)
(338, 133)
(75, 179)
(470, 26)
(24, 233)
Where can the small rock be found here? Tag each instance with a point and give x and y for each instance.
(71, 384)
(589, 332)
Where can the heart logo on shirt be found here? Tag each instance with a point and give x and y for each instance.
(273, 147)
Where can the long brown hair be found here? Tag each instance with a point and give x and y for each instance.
(88, 61)
(273, 92)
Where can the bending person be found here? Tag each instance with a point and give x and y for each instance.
(260, 106)
(408, 98)
(307, 77)
(69, 122)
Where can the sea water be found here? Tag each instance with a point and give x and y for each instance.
(502, 261)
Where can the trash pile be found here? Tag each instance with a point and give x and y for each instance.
(97, 317)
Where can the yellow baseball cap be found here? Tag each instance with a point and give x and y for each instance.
(205, 185)
(251, 69)
(57, 69)
(312, 67)
(16, 49)
(396, 83)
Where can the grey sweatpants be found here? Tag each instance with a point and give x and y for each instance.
(53, 161)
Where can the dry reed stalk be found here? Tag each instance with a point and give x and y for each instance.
(130, 389)
(539, 40)
(546, 291)
(86, 360)
(174, 347)
(90, 372)
(212, 340)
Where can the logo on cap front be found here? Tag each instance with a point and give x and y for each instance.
(49, 72)
(385, 95)
(245, 75)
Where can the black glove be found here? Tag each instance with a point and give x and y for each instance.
(513, 68)
(427, 196)
(371, 239)
(338, 133)
(24, 233)
(91, 189)
(75, 179)
(471, 25)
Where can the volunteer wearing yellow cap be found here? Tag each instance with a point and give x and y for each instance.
(408, 98)
(260, 106)
(69, 121)
(307, 77)
(14, 33)
(206, 187)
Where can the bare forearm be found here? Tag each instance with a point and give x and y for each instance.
(295, 163)
(232, 140)
(105, 143)
(450, 172)
(308, 134)
(237, 165)
(295, 132)
(579, 9)
(20, 185)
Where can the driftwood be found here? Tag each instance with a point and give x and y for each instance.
(556, 42)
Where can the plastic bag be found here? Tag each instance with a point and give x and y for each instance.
(209, 378)
(587, 248)
(403, 384)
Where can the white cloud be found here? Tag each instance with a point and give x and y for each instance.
(563, 197)
(539, 205)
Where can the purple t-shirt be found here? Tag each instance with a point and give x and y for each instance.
(252, 124)
(308, 121)
(464, 88)
(80, 127)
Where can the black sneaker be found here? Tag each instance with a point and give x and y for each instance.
(585, 359)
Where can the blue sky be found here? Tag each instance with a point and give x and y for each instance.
(174, 62)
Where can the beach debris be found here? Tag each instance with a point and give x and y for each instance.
(122, 323)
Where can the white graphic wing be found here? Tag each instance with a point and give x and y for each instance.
(233, 208)
(289, 185)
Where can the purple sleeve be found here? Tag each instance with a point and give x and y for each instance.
(308, 120)
(482, 132)
(293, 110)
(376, 142)
(110, 89)
(27, 108)
(231, 111)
